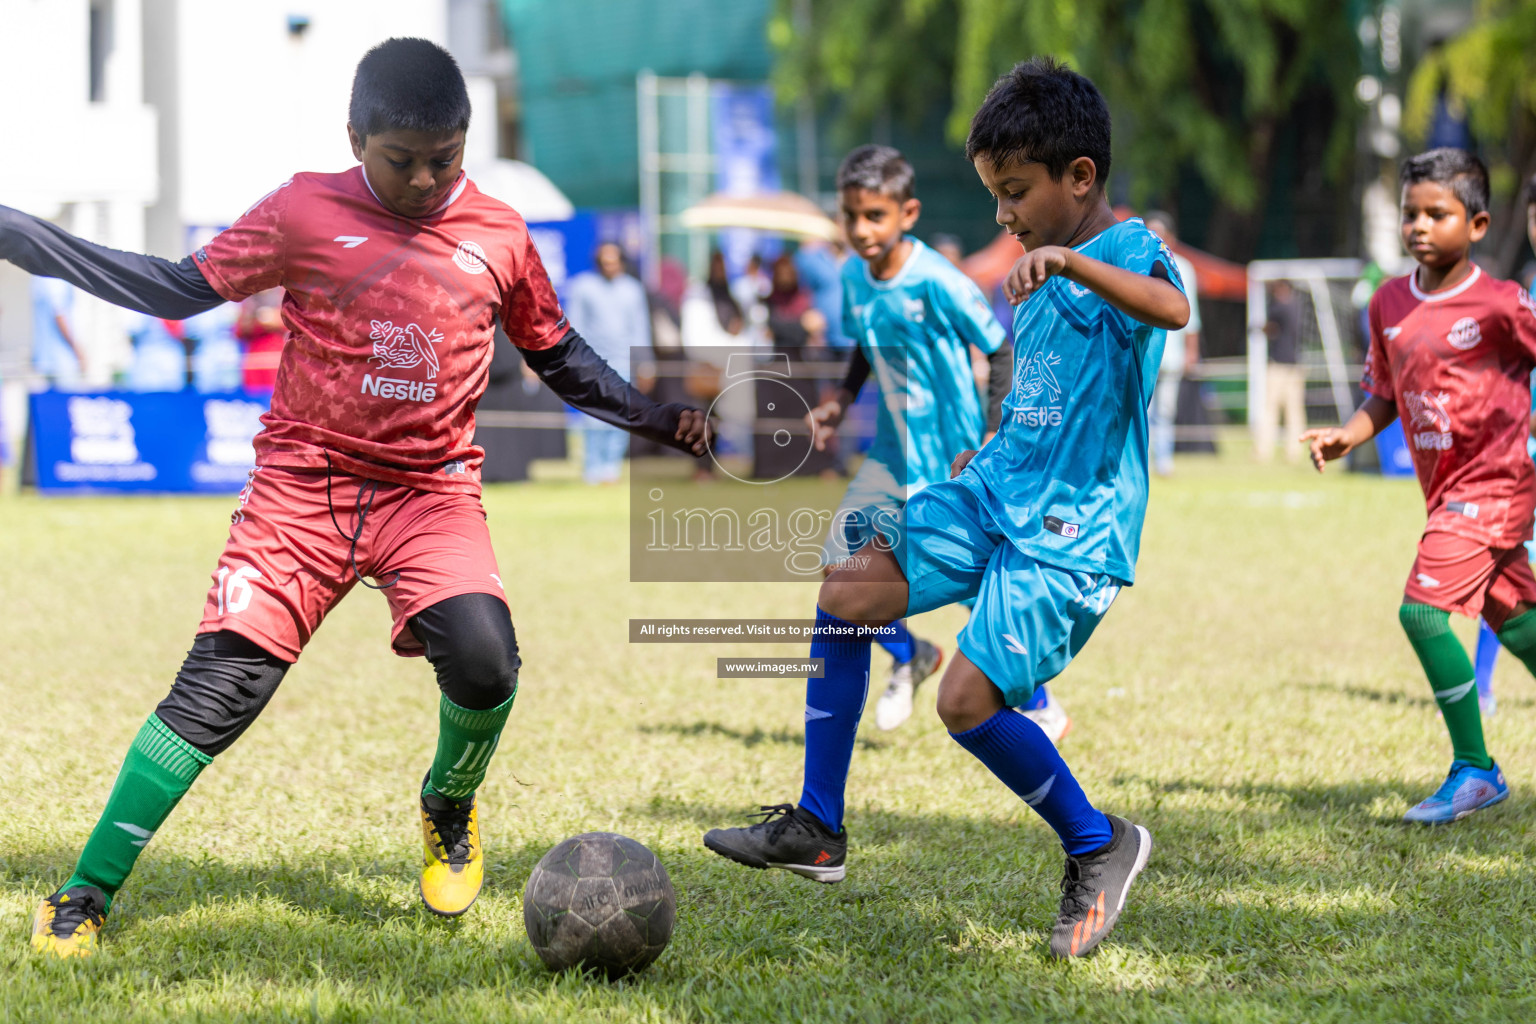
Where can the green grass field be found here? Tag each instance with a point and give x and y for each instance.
(1251, 700)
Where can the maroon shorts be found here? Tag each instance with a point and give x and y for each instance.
(287, 562)
(1456, 574)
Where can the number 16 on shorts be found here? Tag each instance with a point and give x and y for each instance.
(234, 588)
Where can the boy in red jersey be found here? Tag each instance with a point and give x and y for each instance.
(395, 275)
(1452, 352)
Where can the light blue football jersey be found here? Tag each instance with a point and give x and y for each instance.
(1067, 473)
(914, 330)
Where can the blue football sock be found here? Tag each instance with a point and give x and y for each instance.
(1487, 656)
(833, 705)
(1037, 700)
(1018, 752)
(898, 642)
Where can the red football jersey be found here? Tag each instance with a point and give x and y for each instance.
(390, 323)
(1457, 363)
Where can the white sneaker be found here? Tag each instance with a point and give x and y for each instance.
(895, 704)
(1052, 718)
(1487, 704)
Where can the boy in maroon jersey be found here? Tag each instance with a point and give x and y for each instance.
(395, 274)
(1451, 353)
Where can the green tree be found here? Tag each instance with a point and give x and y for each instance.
(1488, 74)
(1210, 86)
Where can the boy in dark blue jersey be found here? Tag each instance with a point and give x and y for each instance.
(1042, 527)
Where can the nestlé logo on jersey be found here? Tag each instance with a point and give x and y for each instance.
(1037, 380)
(402, 348)
(1464, 333)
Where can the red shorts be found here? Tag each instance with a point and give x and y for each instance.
(286, 562)
(1457, 574)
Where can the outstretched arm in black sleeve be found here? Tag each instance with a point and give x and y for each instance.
(148, 284)
(585, 381)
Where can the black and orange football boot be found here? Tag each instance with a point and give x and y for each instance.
(787, 837)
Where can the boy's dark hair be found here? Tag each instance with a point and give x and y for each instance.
(878, 169)
(1456, 169)
(410, 84)
(1043, 111)
(1530, 191)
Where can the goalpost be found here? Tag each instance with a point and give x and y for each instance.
(1331, 349)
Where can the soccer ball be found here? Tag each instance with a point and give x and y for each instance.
(599, 901)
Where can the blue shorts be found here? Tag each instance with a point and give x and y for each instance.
(1030, 618)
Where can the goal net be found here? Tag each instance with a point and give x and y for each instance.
(1331, 340)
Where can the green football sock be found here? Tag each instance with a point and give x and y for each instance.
(465, 742)
(156, 774)
(1450, 676)
(1518, 637)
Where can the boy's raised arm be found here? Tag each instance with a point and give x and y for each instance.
(148, 284)
(1151, 300)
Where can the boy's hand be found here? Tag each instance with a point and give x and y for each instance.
(961, 461)
(1327, 444)
(823, 421)
(693, 430)
(1033, 269)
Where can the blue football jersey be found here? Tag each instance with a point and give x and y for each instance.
(914, 330)
(1067, 472)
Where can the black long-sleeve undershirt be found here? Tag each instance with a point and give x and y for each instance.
(175, 291)
(584, 380)
(999, 380)
(147, 284)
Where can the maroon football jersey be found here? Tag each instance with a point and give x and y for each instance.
(1457, 363)
(390, 322)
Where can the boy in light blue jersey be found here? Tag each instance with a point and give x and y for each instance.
(1042, 527)
(913, 316)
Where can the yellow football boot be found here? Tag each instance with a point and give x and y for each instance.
(453, 868)
(68, 922)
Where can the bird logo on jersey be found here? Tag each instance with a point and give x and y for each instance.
(1428, 416)
(1038, 378)
(404, 348)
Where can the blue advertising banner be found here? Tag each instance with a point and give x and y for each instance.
(565, 247)
(746, 161)
(126, 442)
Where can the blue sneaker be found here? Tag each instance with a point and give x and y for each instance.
(1465, 789)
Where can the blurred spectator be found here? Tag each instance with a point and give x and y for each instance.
(609, 309)
(159, 360)
(56, 355)
(216, 362)
(1182, 349)
(713, 326)
(787, 303)
(259, 327)
(727, 309)
(750, 291)
(820, 264)
(948, 246)
(1285, 379)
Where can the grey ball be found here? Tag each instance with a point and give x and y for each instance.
(599, 901)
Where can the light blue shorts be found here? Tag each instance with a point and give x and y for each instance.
(1030, 618)
(870, 509)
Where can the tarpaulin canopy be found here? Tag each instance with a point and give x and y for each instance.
(1217, 278)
